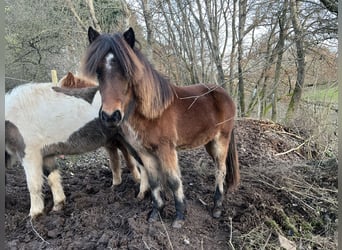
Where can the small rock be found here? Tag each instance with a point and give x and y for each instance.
(53, 233)
(12, 244)
(186, 241)
(104, 239)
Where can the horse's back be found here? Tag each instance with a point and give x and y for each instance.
(44, 116)
(201, 112)
(202, 97)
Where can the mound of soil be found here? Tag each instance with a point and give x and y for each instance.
(283, 200)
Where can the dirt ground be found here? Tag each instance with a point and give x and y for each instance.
(285, 199)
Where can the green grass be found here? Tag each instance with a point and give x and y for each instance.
(328, 95)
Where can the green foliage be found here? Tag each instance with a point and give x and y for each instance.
(284, 222)
(328, 94)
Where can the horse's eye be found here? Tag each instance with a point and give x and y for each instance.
(126, 88)
(98, 73)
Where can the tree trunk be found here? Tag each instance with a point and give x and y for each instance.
(259, 97)
(280, 48)
(233, 51)
(242, 21)
(149, 29)
(297, 92)
(211, 35)
(74, 12)
(125, 22)
(93, 15)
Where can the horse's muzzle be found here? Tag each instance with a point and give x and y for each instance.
(112, 120)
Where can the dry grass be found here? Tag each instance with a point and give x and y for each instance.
(310, 219)
(318, 125)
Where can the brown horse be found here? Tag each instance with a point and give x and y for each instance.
(165, 117)
(72, 81)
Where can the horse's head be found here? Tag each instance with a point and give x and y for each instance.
(126, 79)
(111, 59)
(72, 81)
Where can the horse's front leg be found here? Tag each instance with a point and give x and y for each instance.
(131, 164)
(33, 166)
(114, 164)
(141, 176)
(55, 182)
(169, 161)
(150, 172)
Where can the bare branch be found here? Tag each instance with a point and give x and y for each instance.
(78, 18)
(90, 4)
(331, 5)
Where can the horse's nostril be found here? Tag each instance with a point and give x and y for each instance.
(116, 116)
(103, 116)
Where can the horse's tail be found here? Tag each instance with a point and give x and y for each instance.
(232, 165)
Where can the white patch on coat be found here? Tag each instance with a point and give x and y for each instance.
(44, 116)
(109, 59)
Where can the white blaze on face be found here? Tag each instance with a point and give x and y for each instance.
(109, 58)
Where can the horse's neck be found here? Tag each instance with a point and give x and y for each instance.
(136, 119)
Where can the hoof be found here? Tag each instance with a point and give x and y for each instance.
(178, 224)
(217, 213)
(154, 216)
(113, 187)
(141, 196)
(59, 206)
(36, 215)
(117, 182)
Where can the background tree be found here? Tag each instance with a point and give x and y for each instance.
(300, 59)
(241, 31)
(249, 47)
(32, 39)
(41, 36)
(149, 28)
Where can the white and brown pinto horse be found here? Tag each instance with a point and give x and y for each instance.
(165, 117)
(41, 124)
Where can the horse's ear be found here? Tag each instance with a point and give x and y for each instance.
(129, 37)
(70, 75)
(69, 80)
(92, 34)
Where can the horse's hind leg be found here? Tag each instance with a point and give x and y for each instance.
(32, 164)
(55, 182)
(218, 149)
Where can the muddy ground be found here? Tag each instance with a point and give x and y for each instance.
(286, 198)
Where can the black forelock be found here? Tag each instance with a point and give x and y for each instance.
(99, 49)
